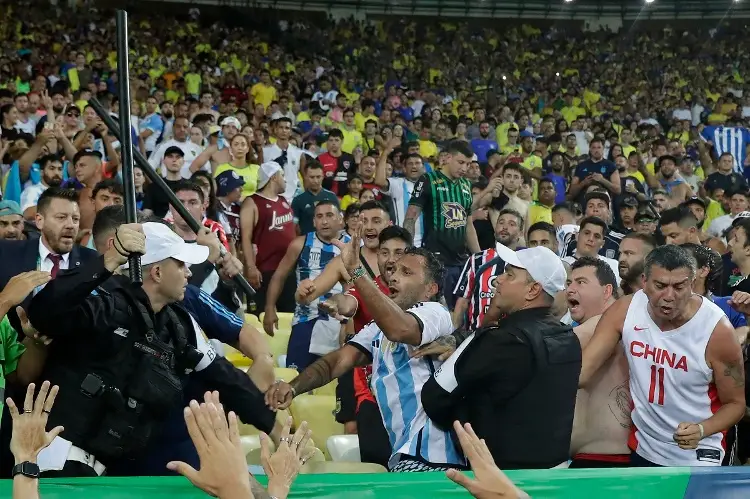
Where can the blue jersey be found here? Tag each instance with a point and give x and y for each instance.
(737, 319)
(732, 140)
(214, 318)
(312, 260)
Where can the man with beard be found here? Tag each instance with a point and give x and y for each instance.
(633, 251)
(52, 173)
(11, 220)
(602, 415)
(58, 220)
(597, 169)
(409, 318)
(679, 226)
(476, 284)
(57, 100)
(360, 406)
(674, 185)
(483, 144)
(181, 139)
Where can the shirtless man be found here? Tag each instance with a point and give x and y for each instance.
(687, 389)
(602, 417)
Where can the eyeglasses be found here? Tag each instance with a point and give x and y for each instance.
(72, 114)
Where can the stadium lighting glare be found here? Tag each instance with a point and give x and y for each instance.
(568, 1)
(649, 1)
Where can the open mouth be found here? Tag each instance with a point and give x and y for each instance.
(371, 237)
(573, 304)
(665, 310)
(392, 291)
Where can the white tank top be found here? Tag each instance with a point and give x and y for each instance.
(671, 383)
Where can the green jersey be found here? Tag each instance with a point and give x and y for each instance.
(446, 206)
(10, 350)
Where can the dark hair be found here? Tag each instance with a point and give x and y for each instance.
(351, 210)
(189, 185)
(108, 184)
(336, 133)
(312, 164)
(596, 140)
(47, 158)
(55, 193)
(434, 269)
(284, 119)
(328, 202)
(570, 206)
(744, 224)
(110, 218)
(670, 257)
(212, 212)
(374, 205)
(680, 215)
(706, 257)
(546, 180)
(646, 239)
(604, 273)
(460, 147)
(410, 156)
(545, 226)
(395, 232)
(508, 211)
(514, 167)
(593, 221)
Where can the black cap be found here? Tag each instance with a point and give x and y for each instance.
(694, 200)
(596, 195)
(646, 216)
(174, 150)
(631, 201)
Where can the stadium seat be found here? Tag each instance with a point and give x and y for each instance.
(254, 321)
(344, 448)
(281, 360)
(285, 320)
(237, 358)
(278, 343)
(318, 411)
(285, 374)
(329, 389)
(251, 448)
(341, 467)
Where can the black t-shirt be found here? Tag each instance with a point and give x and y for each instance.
(730, 182)
(156, 200)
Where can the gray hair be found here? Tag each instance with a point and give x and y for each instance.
(670, 257)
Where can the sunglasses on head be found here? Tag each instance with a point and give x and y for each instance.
(73, 114)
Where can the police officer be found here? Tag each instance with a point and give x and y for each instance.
(122, 352)
(515, 383)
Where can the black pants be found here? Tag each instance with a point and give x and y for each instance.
(374, 444)
(285, 303)
(72, 469)
(637, 461)
(346, 403)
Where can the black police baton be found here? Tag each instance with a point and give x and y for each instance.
(126, 142)
(157, 179)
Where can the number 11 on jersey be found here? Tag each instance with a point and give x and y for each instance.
(657, 385)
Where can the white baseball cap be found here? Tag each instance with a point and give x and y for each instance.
(544, 266)
(162, 243)
(231, 120)
(267, 170)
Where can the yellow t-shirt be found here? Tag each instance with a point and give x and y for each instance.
(713, 210)
(352, 139)
(263, 94)
(539, 213)
(348, 200)
(248, 173)
(193, 83)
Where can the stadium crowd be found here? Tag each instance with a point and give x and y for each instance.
(409, 210)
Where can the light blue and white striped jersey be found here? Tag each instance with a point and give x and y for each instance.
(400, 190)
(397, 381)
(733, 140)
(312, 260)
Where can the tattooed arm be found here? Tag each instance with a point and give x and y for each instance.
(724, 355)
(329, 367)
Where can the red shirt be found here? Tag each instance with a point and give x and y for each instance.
(361, 319)
(216, 227)
(274, 231)
(336, 171)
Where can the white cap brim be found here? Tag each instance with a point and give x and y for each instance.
(509, 256)
(192, 254)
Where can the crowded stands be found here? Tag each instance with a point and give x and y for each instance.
(434, 217)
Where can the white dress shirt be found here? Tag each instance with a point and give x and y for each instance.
(45, 263)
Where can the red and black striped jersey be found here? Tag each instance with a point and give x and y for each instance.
(477, 284)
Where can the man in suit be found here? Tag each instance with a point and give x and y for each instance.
(57, 219)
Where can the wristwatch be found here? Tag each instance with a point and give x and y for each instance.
(27, 469)
(356, 274)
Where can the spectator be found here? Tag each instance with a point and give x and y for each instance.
(286, 154)
(304, 204)
(190, 151)
(11, 221)
(338, 165)
(589, 242)
(595, 170)
(155, 202)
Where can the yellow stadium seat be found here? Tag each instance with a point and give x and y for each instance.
(251, 448)
(236, 357)
(344, 448)
(329, 389)
(285, 374)
(254, 321)
(278, 343)
(341, 467)
(285, 320)
(318, 411)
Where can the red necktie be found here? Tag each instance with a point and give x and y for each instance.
(55, 259)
